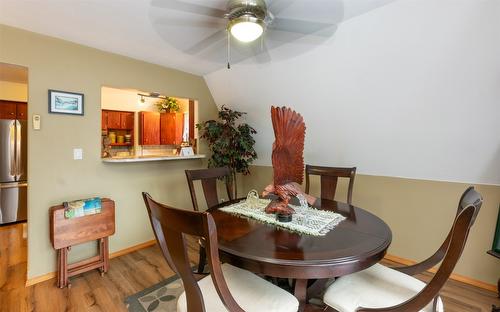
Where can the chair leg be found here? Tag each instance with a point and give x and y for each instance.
(202, 260)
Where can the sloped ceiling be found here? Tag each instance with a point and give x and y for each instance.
(149, 30)
(410, 89)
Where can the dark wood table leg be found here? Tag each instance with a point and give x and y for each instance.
(314, 291)
(300, 292)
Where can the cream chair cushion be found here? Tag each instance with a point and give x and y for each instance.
(251, 292)
(375, 287)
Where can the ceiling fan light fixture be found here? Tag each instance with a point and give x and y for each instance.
(246, 28)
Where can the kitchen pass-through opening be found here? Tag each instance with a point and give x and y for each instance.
(137, 123)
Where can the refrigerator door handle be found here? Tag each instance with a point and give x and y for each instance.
(12, 185)
(12, 149)
(19, 167)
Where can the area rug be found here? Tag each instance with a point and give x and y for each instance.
(162, 297)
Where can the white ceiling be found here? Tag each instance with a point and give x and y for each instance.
(147, 30)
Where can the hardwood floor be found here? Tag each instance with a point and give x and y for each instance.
(133, 272)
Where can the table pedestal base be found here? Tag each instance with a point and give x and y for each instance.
(300, 292)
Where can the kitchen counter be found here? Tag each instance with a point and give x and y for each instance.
(150, 158)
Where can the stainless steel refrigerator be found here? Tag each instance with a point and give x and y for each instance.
(13, 173)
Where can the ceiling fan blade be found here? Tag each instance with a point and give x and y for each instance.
(177, 22)
(276, 6)
(276, 38)
(298, 26)
(261, 53)
(188, 7)
(207, 42)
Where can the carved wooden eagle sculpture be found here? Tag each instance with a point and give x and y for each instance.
(288, 156)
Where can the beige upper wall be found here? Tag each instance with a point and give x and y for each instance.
(420, 214)
(13, 91)
(54, 176)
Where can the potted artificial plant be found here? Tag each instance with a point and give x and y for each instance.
(168, 104)
(231, 143)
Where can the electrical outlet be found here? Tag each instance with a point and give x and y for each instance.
(77, 154)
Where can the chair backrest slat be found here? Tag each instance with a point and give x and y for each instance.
(170, 226)
(208, 178)
(329, 179)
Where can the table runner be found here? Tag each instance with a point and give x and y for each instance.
(306, 220)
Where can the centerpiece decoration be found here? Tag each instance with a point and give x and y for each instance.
(168, 104)
(287, 159)
(288, 174)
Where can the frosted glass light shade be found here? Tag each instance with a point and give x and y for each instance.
(246, 31)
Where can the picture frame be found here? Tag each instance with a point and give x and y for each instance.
(63, 102)
(187, 151)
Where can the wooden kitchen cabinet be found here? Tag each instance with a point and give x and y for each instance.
(117, 120)
(121, 123)
(104, 120)
(8, 110)
(127, 120)
(171, 128)
(114, 120)
(22, 111)
(149, 128)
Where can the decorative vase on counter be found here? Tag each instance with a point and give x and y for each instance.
(112, 137)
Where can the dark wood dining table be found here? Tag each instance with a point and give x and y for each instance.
(358, 242)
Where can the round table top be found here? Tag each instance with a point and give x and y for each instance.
(353, 245)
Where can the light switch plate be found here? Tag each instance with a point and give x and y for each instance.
(77, 154)
(36, 122)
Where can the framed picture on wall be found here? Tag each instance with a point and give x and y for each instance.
(61, 102)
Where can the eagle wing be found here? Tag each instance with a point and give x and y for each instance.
(288, 147)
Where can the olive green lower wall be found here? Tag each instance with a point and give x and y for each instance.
(420, 214)
(53, 174)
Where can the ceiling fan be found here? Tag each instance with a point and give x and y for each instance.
(246, 21)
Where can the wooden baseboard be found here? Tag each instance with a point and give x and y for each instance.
(41, 278)
(51, 275)
(456, 277)
(453, 276)
(132, 249)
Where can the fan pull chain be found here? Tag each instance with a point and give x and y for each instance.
(228, 50)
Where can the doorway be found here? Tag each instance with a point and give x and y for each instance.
(13, 173)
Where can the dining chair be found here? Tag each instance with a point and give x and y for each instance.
(329, 177)
(208, 178)
(228, 288)
(380, 288)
